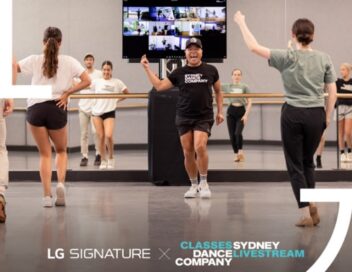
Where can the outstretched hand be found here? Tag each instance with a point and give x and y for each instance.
(239, 17)
(145, 62)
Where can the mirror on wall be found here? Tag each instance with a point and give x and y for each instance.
(262, 145)
(129, 138)
(261, 136)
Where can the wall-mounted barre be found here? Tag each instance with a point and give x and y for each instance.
(226, 95)
(145, 96)
(145, 105)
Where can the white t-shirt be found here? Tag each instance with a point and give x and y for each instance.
(87, 104)
(102, 86)
(68, 69)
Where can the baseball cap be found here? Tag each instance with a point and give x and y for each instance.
(88, 55)
(194, 41)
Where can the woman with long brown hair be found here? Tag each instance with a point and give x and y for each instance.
(47, 118)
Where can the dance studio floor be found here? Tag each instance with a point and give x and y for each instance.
(138, 215)
(220, 157)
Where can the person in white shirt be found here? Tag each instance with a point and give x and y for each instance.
(47, 118)
(6, 108)
(85, 114)
(104, 112)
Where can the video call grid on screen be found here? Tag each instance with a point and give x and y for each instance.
(161, 28)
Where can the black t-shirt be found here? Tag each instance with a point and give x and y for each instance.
(196, 90)
(344, 87)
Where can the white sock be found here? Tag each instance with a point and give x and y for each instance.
(203, 179)
(194, 181)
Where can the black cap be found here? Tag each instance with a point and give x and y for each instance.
(89, 55)
(194, 41)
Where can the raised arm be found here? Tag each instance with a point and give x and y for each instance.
(158, 84)
(331, 90)
(249, 38)
(219, 102)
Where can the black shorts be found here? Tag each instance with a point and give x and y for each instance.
(47, 114)
(110, 114)
(185, 125)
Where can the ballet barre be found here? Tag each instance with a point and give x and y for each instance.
(225, 95)
(146, 95)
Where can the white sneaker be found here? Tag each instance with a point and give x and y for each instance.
(60, 194)
(47, 202)
(103, 164)
(343, 157)
(204, 190)
(349, 157)
(111, 163)
(192, 192)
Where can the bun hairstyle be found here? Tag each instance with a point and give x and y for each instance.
(303, 29)
(107, 62)
(52, 39)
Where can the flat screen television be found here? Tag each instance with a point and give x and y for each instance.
(160, 28)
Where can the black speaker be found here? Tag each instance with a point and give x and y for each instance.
(165, 155)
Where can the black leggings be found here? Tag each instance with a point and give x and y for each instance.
(235, 126)
(301, 131)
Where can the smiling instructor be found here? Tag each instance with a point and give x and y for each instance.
(194, 111)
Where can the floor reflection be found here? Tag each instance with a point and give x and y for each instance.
(221, 157)
(121, 215)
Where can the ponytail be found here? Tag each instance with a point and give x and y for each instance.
(52, 40)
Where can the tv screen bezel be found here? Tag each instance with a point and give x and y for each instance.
(178, 55)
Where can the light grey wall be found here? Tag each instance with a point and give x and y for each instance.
(95, 26)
